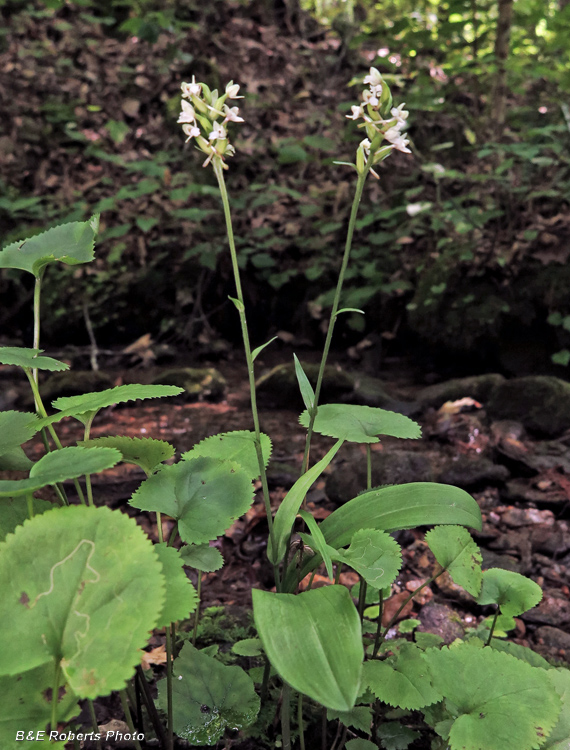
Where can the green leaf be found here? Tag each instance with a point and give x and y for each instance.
(239, 305)
(83, 586)
(513, 592)
(359, 717)
(285, 516)
(259, 349)
(521, 652)
(14, 511)
(374, 555)
(75, 406)
(146, 223)
(497, 702)
(559, 738)
(455, 550)
(202, 557)
(147, 453)
(396, 736)
(28, 358)
(359, 744)
(15, 460)
(318, 541)
(402, 680)
(248, 647)
(57, 466)
(181, 598)
(305, 387)
(238, 446)
(360, 424)
(205, 495)
(16, 427)
(208, 697)
(317, 647)
(350, 310)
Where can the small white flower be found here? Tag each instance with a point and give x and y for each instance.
(374, 78)
(191, 89)
(397, 140)
(232, 114)
(192, 131)
(365, 145)
(356, 112)
(232, 91)
(218, 133)
(188, 114)
(399, 112)
(370, 98)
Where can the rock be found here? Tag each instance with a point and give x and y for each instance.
(473, 472)
(478, 387)
(516, 517)
(540, 402)
(494, 560)
(441, 620)
(199, 383)
(520, 490)
(279, 386)
(280, 474)
(371, 392)
(74, 383)
(554, 609)
(550, 540)
(348, 476)
(553, 637)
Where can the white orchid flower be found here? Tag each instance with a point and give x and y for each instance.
(218, 133)
(188, 113)
(398, 141)
(232, 114)
(191, 89)
(374, 77)
(356, 112)
(192, 131)
(370, 98)
(232, 91)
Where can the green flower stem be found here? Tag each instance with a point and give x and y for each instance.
(197, 615)
(300, 722)
(94, 721)
(36, 343)
(88, 486)
(218, 171)
(55, 696)
(128, 717)
(362, 598)
(170, 709)
(285, 716)
(30, 502)
(377, 640)
(172, 536)
(492, 627)
(150, 707)
(265, 680)
(159, 527)
(368, 467)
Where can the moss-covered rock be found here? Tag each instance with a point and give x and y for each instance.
(478, 387)
(279, 386)
(199, 383)
(540, 402)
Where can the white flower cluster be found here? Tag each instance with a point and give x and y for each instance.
(200, 118)
(381, 121)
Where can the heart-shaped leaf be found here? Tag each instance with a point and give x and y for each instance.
(236, 446)
(317, 647)
(16, 427)
(402, 680)
(147, 453)
(360, 424)
(81, 586)
(455, 550)
(29, 359)
(513, 592)
(181, 598)
(202, 557)
(207, 697)
(375, 555)
(204, 495)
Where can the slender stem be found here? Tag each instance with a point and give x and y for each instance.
(197, 615)
(337, 573)
(36, 344)
(94, 721)
(265, 680)
(324, 726)
(492, 627)
(88, 486)
(285, 716)
(150, 707)
(169, 712)
(300, 722)
(362, 597)
(377, 640)
(128, 717)
(55, 696)
(172, 535)
(30, 501)
(159, 527)
(218, 171)
(368, 467)
(408, 599)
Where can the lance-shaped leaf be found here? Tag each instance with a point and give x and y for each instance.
(305, 387)
(497, 702)
(57, 466)
(207, 697)
(317, 646)
(513, 592)
(205, 495)
(360, 424)
(285, 516)
(181, 597)
(236, 446)
(455, 550)
(402, 680)
(16, 427)
(69, 243)
(202, 557)
(30, 359)
(317, 542)
(14, 511)
(83, 586)
(375, 555)
(90, 403)
(559, 738)
(147, 453)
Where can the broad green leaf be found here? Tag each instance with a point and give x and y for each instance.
(14, 511)
(513, 592)
(202, 557)
(559, 738)
(395, 736)
(360, 424)
(69, 243)
(57, 466)
(402, 680)
(75, 406)
(203, 494)
(455, 550)
(374, 555)
(15, 460)
(180, 598)
(30, 359)
(236, 446)
(305, 387)
(318, 542)
(81, 585)
(317, 646)
(16, 427)
(285, 516)
(147, 453)
(208, 697)
(497, 702)
(26, 704)
(360, 717)
(521, 652)
(248, 647)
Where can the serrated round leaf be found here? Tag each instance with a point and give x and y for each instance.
(69, 243)
(455, 550)
(202, 557)
(402, 681)
(375, 555)
(248, 647)
(204, 495)
(180, 598)
(396, 736)
(81, 585)
(16, 427)
(317, 645)
(14, 511)
(360, 424)
(147, 453)
(500, 702)
(236, 446)
(559, 738)
(521, 652)
(513, 592)
(66, 463)
(30, 359)
(208, 696)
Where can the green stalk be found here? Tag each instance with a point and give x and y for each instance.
(300, 722)
(88, 486)
(368, 467)
(150, 707)
(197, 615)
(94, 721)
(285, 716)
(265, 680)
(128, 717)
(55, 696)
(218, 171)
(492, 627)
(377, 640)
(36, 343)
